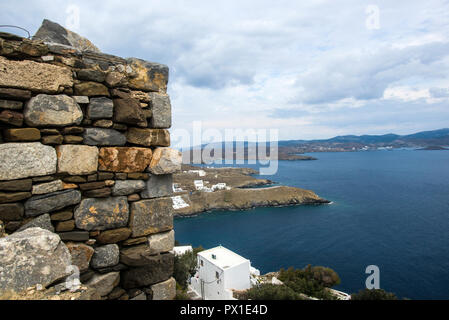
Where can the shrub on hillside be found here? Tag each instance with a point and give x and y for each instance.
(311, 281)
(373, 294)
(185, 266)
(270, 291)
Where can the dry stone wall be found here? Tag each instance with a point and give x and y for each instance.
(84, 153)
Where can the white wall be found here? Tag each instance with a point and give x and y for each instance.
(238, 277)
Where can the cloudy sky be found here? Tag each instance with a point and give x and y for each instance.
(312, 69)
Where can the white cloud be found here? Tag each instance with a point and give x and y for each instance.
(311, 68)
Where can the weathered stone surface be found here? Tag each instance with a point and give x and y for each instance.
(73, 130)
(15, 94)
(98, 193)
(124, 159)
(64, 226)
(48, 187)
(136, 256)
(134, 241)
(103, 137)
(81, 255)
(165, 161)
(165, 290)
(73, 139)
(116, 293)
(53, 140)
(52, 32)
(105, 256)
(81, 99)
(11, 118)
(51, 202)
(2, 229)
(158, 268)
(16, 185)
(10, 104)
(23, 134)
(22, 160)
(161, 108)
(148, 137)
(140, 296)
(43, 221)
(30, 257)
(104, 283)
(34, 76)
(103, 123)
(114, 235)
(6, 197)
(151, 216)
(100, 108)
(91, 89)
(129, 111)
(115, 79)
(62, 216)
(138, 176)
(11, 211)
(149, 76)
(91, 75)
(158, 186)
(161, 242)
(77, 159)
(102, 214)
(74, 236)
(105, 175)
(126, 187)
(52, 110)
(92, 185)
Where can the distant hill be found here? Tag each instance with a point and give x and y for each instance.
(291, 149)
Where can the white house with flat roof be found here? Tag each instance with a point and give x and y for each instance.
(219, 271)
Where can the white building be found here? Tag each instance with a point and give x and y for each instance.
(219, 271)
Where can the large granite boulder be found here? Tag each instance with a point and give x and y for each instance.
(77, 159)
(52, 110)
(151, 216)
(52, 32)
(22, 160)
(165, 161)
(30, 257)
(35, 76)
(124, 159)
(102, 214)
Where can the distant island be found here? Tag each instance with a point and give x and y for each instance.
(295, 149)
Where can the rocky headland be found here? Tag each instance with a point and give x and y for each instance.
(241, 192)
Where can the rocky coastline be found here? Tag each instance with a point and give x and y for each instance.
(239, 194)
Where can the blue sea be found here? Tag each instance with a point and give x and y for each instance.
(389, 208)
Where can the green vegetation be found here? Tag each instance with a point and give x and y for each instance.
(311, 281)
(185, 267)
(298, 283)
(373, 294)
(268, 291)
